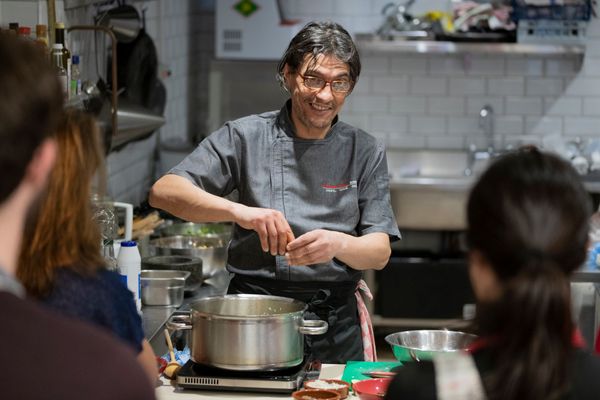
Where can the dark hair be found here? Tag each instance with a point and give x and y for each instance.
(528, 216)
(316, 38)
(30, 103)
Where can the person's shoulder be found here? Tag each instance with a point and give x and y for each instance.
(365, 139)
(413, 381)
(76, 359)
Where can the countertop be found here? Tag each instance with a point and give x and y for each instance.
(168, 391)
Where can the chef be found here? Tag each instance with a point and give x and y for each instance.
(312, 205)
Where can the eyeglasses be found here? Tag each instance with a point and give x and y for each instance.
(337, 86)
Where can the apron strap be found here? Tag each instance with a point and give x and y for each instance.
(457, 377)
(366, 326)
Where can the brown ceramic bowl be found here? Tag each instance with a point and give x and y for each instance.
(335, 385)
(316, 394)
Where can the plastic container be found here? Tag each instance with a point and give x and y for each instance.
(129, 263)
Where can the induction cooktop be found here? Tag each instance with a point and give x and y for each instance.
(199, 376)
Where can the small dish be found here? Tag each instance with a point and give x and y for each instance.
(315, 394)
(335, 385)
(371, 389)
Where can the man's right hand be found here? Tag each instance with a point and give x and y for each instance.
(272, 227)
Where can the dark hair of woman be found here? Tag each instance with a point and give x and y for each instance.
(316, 38)
(528, 217)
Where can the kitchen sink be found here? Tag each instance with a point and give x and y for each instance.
(429, 188)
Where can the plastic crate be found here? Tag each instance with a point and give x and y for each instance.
(580, 11)
(551, 32)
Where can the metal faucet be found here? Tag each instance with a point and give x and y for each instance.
(486, 122)
(396, 17)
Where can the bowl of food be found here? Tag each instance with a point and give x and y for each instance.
(423, 344)
(315, 394)
(212, 250)
(371, 389)
(335, 385)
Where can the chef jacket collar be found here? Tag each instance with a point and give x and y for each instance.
(287, 126)
(9, 284)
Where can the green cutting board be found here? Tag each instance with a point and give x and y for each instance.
(354, 369)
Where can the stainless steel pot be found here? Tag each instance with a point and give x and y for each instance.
(212, 250)
(248, 332)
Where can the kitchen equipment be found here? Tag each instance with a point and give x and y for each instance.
(315, 394)
(193, 265)
(198, 376)
(272, 329)
(335, 385)
(371, 389)
(212, 250)
(221, 230)
(359, 370)
(123, 20)
(243, 29)
(173, 367)
(162, 288)
(423, 344)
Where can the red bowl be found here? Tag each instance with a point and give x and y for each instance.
(371, 389)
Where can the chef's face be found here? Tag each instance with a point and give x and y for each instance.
(314, 109)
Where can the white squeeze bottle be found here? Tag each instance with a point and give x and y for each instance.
(129, 263)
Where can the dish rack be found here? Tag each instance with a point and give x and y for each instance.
(552, 23)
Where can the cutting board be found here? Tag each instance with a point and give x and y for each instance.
(354, 369)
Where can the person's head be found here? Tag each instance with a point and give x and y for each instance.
(30, 103)
(63, 233)
(527, 231)
(319, 69)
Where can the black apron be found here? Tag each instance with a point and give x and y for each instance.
(333, 302)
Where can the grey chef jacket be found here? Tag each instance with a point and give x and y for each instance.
(338, 183)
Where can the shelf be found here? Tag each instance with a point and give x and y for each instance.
(370, 43)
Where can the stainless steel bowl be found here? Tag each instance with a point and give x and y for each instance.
(423, 344)
(212, 250)
(162, 288)
(221, 230)
(178, 263)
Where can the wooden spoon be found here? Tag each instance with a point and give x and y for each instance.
(173, 366)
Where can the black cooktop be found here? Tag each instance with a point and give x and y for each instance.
(198, 376)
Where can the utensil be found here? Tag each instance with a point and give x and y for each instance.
(272, 329)
(193, 265)
(371, 389)
(380, 374)
(162, 288)
(335, 385)
(173, 366)
(315, 394)
(211, 249)
(423, 344)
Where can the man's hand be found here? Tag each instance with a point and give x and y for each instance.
(315, 247)
(272, 227)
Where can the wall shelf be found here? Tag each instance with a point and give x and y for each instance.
(369, 42)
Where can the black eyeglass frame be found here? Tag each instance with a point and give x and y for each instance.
(325, 82)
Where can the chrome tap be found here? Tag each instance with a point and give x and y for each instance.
(477, 157)
(486, 122)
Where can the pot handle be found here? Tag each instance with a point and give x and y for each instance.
(313, 327)
(179, 322)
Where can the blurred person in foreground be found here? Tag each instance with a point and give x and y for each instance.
(45, 355)
(68, 274)
(528, 223)
(314, 206)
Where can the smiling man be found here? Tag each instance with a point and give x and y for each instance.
(313, 209)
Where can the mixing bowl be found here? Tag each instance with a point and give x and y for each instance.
(423, 344)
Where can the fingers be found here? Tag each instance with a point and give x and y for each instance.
(273, 230)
